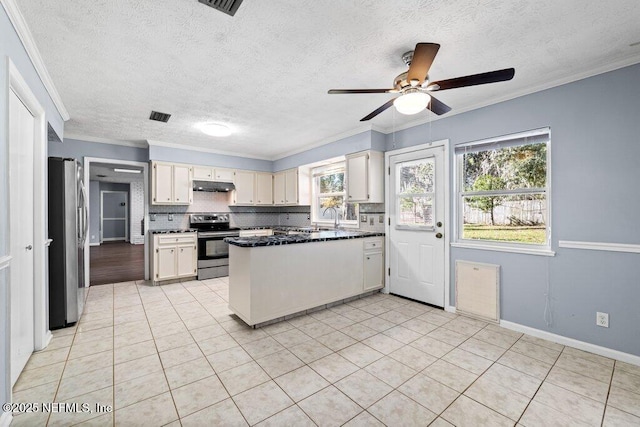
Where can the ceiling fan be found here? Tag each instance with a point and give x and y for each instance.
(415, 87)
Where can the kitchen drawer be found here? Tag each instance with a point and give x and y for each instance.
(370, 244)
(166, 240)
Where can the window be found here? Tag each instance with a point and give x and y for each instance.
(503, 188)
(415, 194)
(329, 196)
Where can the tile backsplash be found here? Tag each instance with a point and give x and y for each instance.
(249, 216)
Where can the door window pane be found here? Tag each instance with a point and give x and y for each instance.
(417, 176)
(415, 193)
(415, 211)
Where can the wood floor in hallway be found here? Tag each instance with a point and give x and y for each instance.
(114, 262)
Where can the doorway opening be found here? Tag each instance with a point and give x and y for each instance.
(117, 226)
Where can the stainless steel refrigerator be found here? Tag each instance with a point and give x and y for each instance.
(68, 222)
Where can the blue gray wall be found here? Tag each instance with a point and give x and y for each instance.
(169, 154)
(595, 148)
(10, 46)
(78, 149)
(352, 144)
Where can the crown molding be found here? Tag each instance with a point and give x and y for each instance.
(156, 143)
(329, 140)
(20, 25)
(123, 142)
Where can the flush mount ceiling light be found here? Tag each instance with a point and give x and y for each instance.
(214, 129)
(127, 170)
(412, 102)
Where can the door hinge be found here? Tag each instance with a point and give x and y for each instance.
(368, 197)
(389, 220)
(389, 271)
(157, 250)
(389, 170)
(367, 157)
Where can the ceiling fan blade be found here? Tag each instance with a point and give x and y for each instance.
(341, 91)
(473, 80)
(423, 56)
(437, 106)
(378, 110)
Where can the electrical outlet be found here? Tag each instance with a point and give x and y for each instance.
(363, 218)
(371, 221)
(152, 217)
(309, 216)
(602, 319)
(381, 219)
(170, 217)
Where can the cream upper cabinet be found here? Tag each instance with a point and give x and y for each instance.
(245, 182)
(291, 187)
(182, 185)
(162, 183)
(224, 175)
(202, 173)
(171, 184)
(279, 191)
(264, 188)
(365, 177)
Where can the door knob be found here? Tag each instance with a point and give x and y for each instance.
(29, 247)
(439, 235)
(439, 224)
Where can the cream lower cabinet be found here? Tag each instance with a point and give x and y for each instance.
(373, 260)
(174, 256)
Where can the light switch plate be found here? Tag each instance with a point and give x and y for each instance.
(363, 218)
(381, 219)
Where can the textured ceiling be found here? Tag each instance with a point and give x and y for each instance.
(266, 71)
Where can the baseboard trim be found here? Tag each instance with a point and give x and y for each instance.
(580, 345)
(5, 419)
(450, 309)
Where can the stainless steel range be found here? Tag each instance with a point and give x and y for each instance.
(213, 252)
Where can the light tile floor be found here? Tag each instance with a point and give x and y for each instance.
(174, 355)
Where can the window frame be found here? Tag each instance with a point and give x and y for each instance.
(331, 168)
(399, 195)
(495, 245)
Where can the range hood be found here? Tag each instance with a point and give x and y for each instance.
(213, 186)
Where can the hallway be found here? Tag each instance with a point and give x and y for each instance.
(114, 262)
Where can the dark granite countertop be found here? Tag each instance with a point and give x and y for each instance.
(168, 231)
(288, 239)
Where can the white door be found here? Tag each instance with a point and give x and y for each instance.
(416, 211)
(21, 141)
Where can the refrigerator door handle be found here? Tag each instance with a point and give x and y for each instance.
(85, 215)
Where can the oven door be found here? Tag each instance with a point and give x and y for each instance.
(213, 247)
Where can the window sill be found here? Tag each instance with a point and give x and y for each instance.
(498, 248)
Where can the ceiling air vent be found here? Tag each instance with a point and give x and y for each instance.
(227, 6)
(159, 117)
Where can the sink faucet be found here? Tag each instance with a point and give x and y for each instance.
(335, 215)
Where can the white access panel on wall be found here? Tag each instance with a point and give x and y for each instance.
(478, 290)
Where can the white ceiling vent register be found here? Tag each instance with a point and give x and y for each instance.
(478, 290)
(229, 7)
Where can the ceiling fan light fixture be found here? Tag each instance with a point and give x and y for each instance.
(412, 102)
(214, 129)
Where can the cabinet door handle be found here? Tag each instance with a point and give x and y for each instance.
(368, 258)
(171, 250)
(181, 250)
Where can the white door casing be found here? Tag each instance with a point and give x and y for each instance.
(417, 238)
(145, 178)
(21, 137)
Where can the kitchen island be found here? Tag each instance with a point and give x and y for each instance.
(271, 277)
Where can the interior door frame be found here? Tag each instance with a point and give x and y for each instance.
(447, 212)
(145, 188)
(42, 334)
(126, 215)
